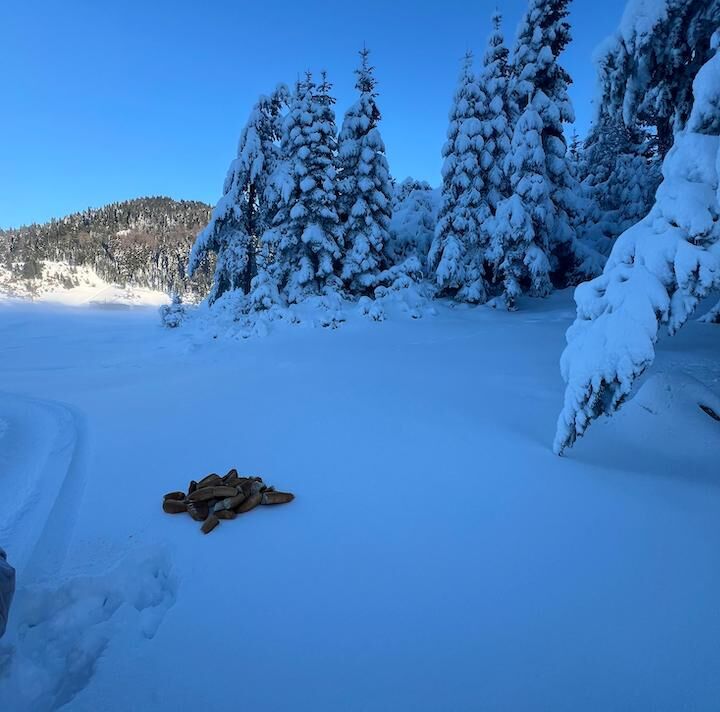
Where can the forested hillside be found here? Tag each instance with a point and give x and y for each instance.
(143, 243)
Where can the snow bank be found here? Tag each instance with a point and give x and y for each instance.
(234, 317)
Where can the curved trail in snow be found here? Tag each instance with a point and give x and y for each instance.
(61, 626)
(42, 477)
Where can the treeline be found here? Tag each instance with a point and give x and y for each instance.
(143, 242)
(308, 210)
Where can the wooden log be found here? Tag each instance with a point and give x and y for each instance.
(250, 503)
(174, 495)
(174, 506)
(209, 524)
(202, 494)
(225, 491)
(210, 481)
(272, 497)
(233, 502)
(231, 475)
(226, 514)
(199, 511)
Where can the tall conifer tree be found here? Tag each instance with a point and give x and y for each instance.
(456, 255)
(519, 236)
(497, 125)
(365, 190)
(303, 247)
(539, 79)
(245, 211)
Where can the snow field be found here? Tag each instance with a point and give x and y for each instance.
(438, 555)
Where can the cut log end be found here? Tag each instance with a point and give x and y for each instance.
(199, 511)
(174, 506)
(203, 494)
(180, 496)
(272, 497)
(209, 524)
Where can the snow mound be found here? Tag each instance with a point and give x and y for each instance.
(677, 396)
(674, 412)
(232, 317)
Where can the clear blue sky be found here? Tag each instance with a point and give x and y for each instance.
(103, 101)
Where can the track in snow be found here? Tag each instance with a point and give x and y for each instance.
(42, 478)
(59, 627)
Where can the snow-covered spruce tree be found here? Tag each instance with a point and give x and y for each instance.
(498, 121)
(244, 212)
(647, 68)
(301, 250)
(538, 78)
(658, 272)
(620, 174)
(607, 138)
(364, 188)
(632, 188)
(415, 211)
(456, 255)
(519, 243)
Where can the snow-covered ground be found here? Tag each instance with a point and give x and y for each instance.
(438, 556)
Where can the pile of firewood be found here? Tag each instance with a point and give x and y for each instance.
(214, 498)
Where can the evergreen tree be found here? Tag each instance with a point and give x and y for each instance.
(633, 186)
(456, 254)
(540, 80)
(302, 249)
(497, 124)
(619, 178)
(608, 137)
(364, 188)
(519, 246)
(244, 212)
(415, 208)
(646, 74)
